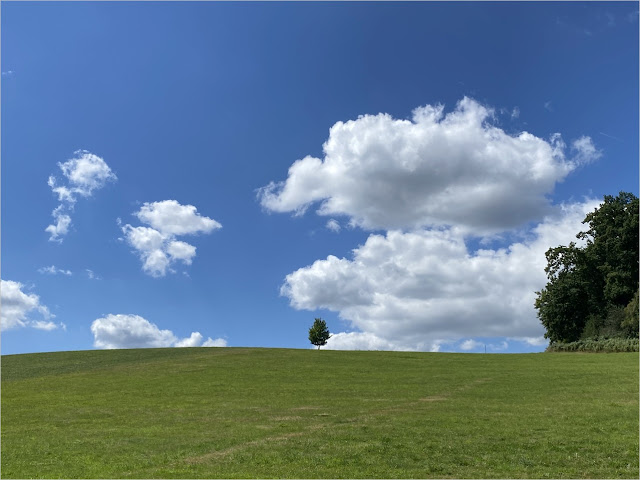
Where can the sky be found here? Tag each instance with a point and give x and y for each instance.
(220, 174)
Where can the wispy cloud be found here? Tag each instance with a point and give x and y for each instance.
(53, 270)
(8, 73)
(333, 225)
(548, 106)
(92, 275)
(610, 136)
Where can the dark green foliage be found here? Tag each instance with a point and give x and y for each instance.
(607, 345)
(612, 245)
(319, 333)
(630, 322)
(590, 286)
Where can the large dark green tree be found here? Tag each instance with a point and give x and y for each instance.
(588, 287)
(319, 333)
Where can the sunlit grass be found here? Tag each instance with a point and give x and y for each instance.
(234, 412)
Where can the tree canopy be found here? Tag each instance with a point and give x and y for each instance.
(319, 333)
(591, 289)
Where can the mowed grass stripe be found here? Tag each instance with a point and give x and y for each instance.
(246, 413)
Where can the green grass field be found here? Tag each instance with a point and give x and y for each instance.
(240, 412)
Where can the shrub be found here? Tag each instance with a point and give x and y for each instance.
(604, 345)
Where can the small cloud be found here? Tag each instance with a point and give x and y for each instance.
(53, 270)
(585, 150)
(547, 106)
(218, 342)
(132, 331)
(8, 73)
(333, 225)
(42, 325)
(633, 16)
(470, 345)
(533, 341)
(157, 245)
(92, 275)
(515, 113)
(61, 226)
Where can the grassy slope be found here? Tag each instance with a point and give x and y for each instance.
(234, 412)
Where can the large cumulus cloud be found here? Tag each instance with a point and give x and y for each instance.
(414, 290)
(433, 170)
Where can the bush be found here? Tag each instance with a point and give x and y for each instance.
(597, 345)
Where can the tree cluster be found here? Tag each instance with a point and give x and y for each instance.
(592, 290)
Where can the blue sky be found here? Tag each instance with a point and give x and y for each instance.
(392, 168)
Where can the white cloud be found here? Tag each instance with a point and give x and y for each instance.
(46, 325)
(585, 150)
(333, 225)
(432, 171)
(418, 289)
(193, 341)
(53, 270)
(133, 331)
(470, 345)
(171, 218)
(84, 173)
(548, 106)
(360, 341)
(61, 226)
(157, 245)
(17, 306)
(181, 251)
(533, 341)
(8, 73)
(218, 342)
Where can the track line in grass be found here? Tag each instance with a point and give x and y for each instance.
(253, 443)
(360, 420)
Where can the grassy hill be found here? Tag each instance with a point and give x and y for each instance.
(240, 412)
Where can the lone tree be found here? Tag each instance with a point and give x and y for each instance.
(319, 333)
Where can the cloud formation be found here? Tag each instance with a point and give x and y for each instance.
(333, 225)
(157, 245)
(53, 270)
(133, 331)
(435, 170)
(17, 307)
(415, 290)
(84, 174)
(92, 275)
